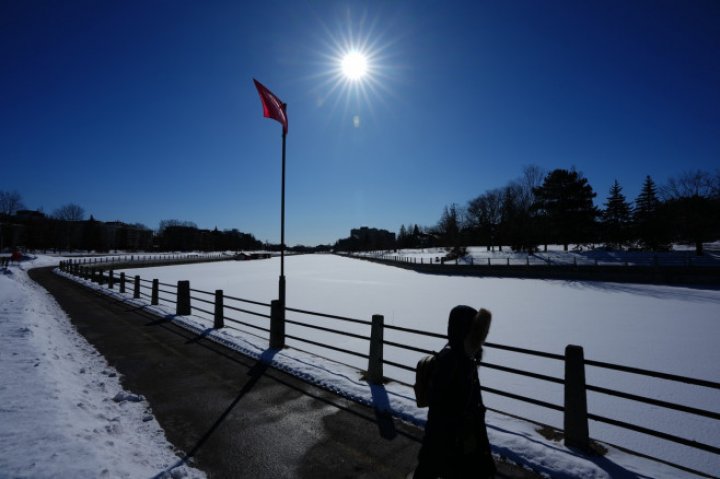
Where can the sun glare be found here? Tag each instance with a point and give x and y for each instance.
(356, 68)
(354, 65)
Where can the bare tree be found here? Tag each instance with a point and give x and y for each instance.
(10, 202)
(484, 215)
(690, 184)
(69, 212)
(691, 201)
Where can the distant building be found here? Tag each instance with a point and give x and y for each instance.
(367, 239)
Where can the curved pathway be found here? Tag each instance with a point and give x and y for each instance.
(232, 416)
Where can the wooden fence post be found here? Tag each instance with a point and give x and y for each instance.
(122, 283)
(375, 362)
(183, 307)
(219, 310)
(277, 324)
(155, 295)
(575, 420)
(136, 289)
(111, 279)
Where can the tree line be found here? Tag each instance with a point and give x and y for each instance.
(558, 207)
(67, 229)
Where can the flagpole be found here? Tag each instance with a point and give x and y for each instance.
(281, 286)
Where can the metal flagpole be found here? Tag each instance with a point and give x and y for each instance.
(281, 292)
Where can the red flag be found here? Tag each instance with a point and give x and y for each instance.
(273, 107)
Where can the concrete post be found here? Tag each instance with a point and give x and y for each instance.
(375, 363)
(575, 420)
(183, 307)
(277, 324)
(122, 283)
(155, 295)
(219, 310)
(136, 288)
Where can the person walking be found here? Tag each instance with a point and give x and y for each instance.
(456, 443)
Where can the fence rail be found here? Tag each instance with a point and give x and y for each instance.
(574, 409)
(690, 270)
(676, 260)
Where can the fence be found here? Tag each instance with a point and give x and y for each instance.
(687, 270)
(368, 342)
(139, 261)
(646, 260)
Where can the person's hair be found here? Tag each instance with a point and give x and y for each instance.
(484, 317)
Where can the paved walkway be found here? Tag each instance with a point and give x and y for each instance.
(232, 415)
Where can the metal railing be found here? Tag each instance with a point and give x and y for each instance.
(653, 260)
(371, 347)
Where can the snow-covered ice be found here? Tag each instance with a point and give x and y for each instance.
(670, 329)
(85, 422)
(63, 410)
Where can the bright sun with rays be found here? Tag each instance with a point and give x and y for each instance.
(354, 65)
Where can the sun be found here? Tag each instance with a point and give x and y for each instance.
(354, 65)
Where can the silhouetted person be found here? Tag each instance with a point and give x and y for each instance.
(456, 444)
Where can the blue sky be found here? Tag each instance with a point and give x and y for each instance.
(144, 111)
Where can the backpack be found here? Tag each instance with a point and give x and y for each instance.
(423, 379)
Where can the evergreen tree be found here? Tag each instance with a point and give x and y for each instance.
(403, 239)
(646, 216)
(449, 226)
(565, 201)
(616, 217)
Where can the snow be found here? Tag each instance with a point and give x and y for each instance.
(63, 410)
(670, 329)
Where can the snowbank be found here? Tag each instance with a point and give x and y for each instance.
(551, 315)
(62, 408)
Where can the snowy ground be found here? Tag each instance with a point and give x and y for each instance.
(670, 329)
(80, 429)
(681, 255)
(62, 408)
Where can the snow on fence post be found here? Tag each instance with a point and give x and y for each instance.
(277, 324)
(375, 362)
(219, 310)
(136, 289)
(182, 307)
(155, 296)
(575, 418)
(122, 283)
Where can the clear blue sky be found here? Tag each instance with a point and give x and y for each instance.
(145, 110)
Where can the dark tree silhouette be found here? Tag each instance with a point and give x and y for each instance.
(692, 206)
(69, 212)
(565, 201)
(647, 217)
(10, 202)
(449, 226)
(616, 218)
(484, 215)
